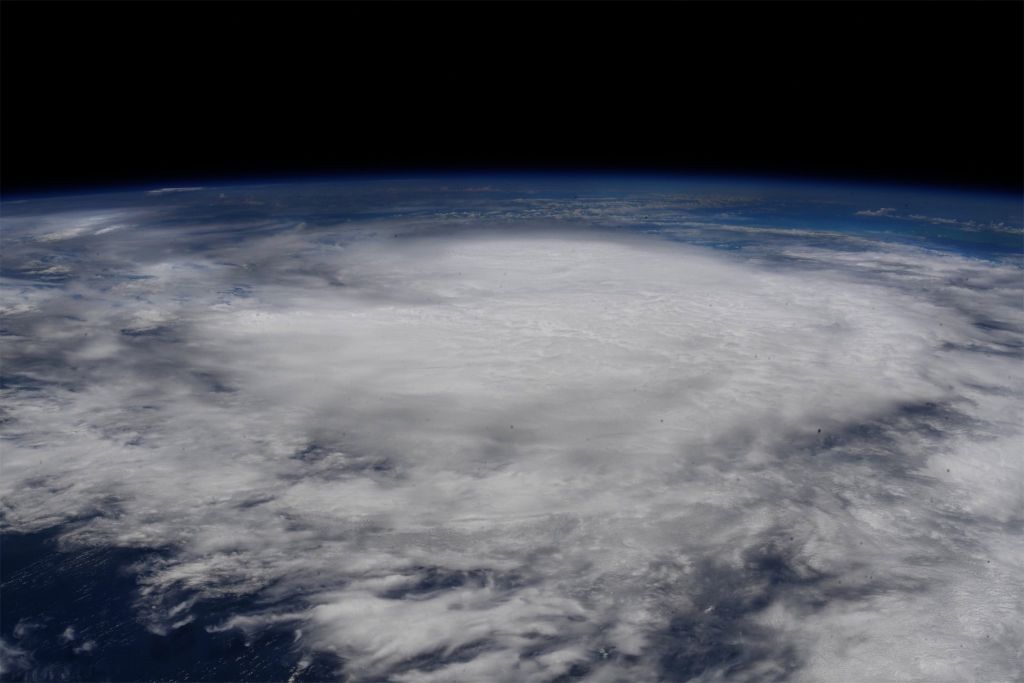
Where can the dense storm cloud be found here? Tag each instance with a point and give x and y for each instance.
(518, 447)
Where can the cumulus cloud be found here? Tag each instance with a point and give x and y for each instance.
(13, 659)
(474, 451)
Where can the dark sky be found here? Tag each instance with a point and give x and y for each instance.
(100, 94)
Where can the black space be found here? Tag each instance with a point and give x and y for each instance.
(122, 93)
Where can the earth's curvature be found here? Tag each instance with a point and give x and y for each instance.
(513, 429)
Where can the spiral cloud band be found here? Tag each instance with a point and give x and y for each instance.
(476, 448)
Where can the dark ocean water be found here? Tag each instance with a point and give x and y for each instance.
(74, 612)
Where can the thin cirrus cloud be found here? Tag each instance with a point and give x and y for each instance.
(173, 190)
(967, 225)
(479, 452)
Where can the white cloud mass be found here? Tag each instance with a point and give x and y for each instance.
(513, 452)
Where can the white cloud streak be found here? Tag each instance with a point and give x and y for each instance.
(174, 190)
(966, 225)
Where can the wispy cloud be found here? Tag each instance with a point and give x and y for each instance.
(174, 190)
(967, 225)
(877, 212)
